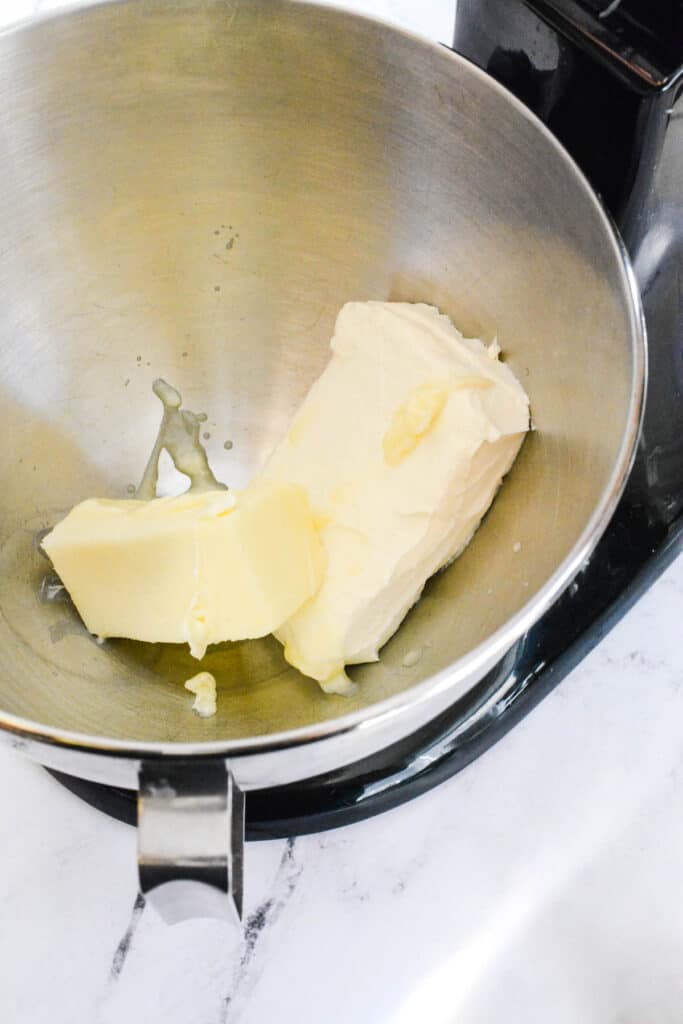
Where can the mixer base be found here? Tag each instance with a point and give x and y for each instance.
(358, 791)
(379, 783)
(534, 666)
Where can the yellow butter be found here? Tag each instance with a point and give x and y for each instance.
(203, 685)
(199, 569)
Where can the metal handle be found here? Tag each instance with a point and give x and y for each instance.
(190, 839)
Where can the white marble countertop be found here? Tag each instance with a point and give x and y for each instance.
(539, 885)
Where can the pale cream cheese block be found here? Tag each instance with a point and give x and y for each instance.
(401, 445)
(199, 569)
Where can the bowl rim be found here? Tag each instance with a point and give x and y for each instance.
(478, 660)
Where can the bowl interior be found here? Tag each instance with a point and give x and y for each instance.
(192, 190)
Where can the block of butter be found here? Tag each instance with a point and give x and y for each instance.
(200, 568)
(401, 445)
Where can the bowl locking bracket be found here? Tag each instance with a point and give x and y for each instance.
(190, 839)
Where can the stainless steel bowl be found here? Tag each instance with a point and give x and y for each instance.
(192, 190)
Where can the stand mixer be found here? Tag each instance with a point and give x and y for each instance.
(458, 197)
(608, 81)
